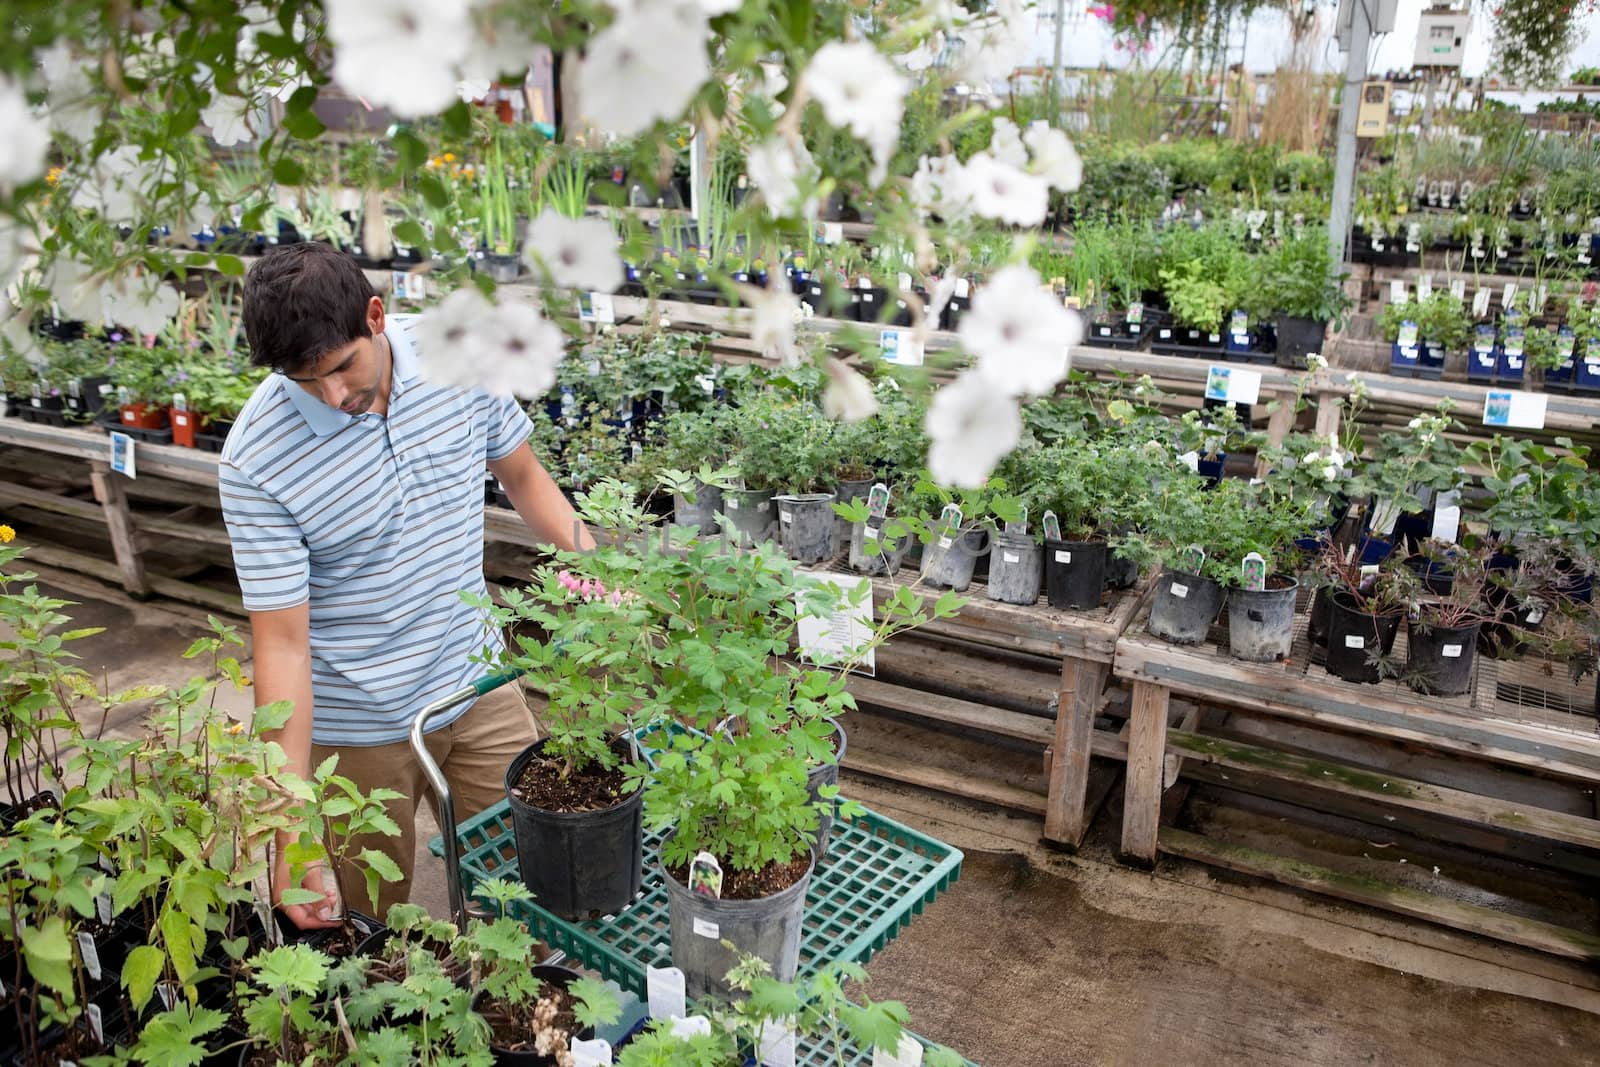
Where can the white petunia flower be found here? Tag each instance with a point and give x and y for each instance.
(114, 185)
(1054, 158)
(860, 90)
(645, 66)
(144, 305)
(471, 90)
(941, 186)
(1005, 144)
(469, 343)
(939, 298)
(994, 44)
(971, 427)
(923, 56)
(498, 50)
(1315, 361)
(400, 54)
(1004, 193)
(719, 7)
(77, 294)
(776, 313)
(27, 139)
(229, 119)
(1019, 334)
(849, 396)
(777, 168)
(72, 104)
(16, 338)
(577, 253)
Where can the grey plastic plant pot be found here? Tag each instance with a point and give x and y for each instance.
(702, 513)
(768, 928)
(1016, 567)
(819, 776)
(1074, 573)
(752, 514)
(1439, 659)
(849, 491)
(886, 560)
(1261, 622)
(578, 865)
(948, 562)
(805, 525)
(1183, 607)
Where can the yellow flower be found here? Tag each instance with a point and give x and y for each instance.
(236, 729)
(246, 682)
(449, 157)
(53, 176)
(7, 535)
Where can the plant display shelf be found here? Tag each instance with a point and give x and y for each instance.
(1525, 716)
(1084, 642)
(878, 875)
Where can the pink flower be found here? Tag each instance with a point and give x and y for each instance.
(1104, 12)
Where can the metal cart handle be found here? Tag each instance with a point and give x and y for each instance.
(441, 788)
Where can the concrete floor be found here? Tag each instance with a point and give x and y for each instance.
(1037, 959)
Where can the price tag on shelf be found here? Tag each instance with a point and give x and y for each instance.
(841, 635)
(900, 347)
(1514, 409)
(596, 308)
(122, 455)
(1235, 385)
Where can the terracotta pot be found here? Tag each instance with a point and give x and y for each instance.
(144, 416)
(185, 424)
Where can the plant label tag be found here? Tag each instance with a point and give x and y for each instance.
(1514, 409)
(1407, 337)
(1010, 557)
(1447, 518)
(907, 1054)
(1235, 385)
(667, 992)
(1458, 289)
(843, 634)
(169, 993)
(398, 284)
(900, 347)
(1253, 572)
(102, 908)
(1194, 557)
(785, 516)
(963, 288)
(122, 457)
(1354, 641)
(693, 1026)
(1052, 526)
(97, 1022)
(1063, 557)
(1135, 313)
(1191, 460)
(945, 542)
(1424, 287)
(592, 1053)
(1536, 616)
(1397, 290)
(775, 1044)
(417, 285)
(1450, 651)
(950, 518)
(1480, 303)
(90, 954)
(1179, 590)
(1537, 298)
(597, 308)
(878, 501)
(1508, 296)
(707, 929)
(705, 876)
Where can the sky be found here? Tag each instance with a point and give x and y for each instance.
(1087, 42)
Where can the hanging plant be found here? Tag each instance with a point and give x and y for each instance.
(1534, 38)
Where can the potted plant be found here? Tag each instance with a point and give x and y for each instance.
(1401, 479)
(1066, 494)
(1365, 605)
(1299, 279)
(143, 392)
(811, 460)
(1443, 623)
(955, 529)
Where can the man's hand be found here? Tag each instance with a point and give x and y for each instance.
(322, 915)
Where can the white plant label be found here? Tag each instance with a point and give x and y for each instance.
(102, 908)
(1480, 303)
(908, 1054)
(1233, 384)
(1424, 287)
(1180, 591)
(1536, 616)
(90, 954)
(1063, 557)
(775, 1045)
(1514, 409)
(1011, 557)
(841, 635)
(597, 308)
(1397, 291)
(693, 1026)
(1508, 297)
(97, 1022)
(667, 992)
(704, 928)
(785, 516)
(1458, 288)
(945, 542)
(1354, 641)
(1253, 572)
(900, 347)
(1191, 460)
(705, 876)
(1451, 651)
(595, 1053)
(1447, 517)
(122, 456)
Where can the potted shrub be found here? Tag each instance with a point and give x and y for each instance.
(1401, 479)
(1198, 299)
(810, 476)
(760, 453)
(1443, 622)
(1365, 605)
(954, 529)
(143, 392)
(1300, 280)
(1067, 495)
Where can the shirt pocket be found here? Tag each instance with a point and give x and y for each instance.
(448, 460)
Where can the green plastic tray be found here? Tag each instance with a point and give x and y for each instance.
(878, 875)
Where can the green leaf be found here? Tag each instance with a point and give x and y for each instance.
(140, 971)
(48, 951)
(410, 151)
(286, 171)
(178, 933)
(385, 865)
(230, 266)
(410, 233)
(292, 897)
(303, 124)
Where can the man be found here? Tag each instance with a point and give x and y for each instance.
(353, 494)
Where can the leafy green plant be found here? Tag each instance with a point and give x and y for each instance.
(1298, 277)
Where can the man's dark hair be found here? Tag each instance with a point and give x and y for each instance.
(302, 301)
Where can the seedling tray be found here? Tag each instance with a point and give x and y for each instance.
(877, 876)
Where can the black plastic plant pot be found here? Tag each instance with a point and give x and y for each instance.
(1440, 658)
(702, 513)
(1074, 573)
(1183, 607)
(1435, 574)
(1354, 636)
(562, 977)
(1298, 337)
(768, 928)
(1121, 572)
(1317, 620)
(362, 925)
(578, 865)
(1211, 469)
(850, 491)
(1261, 622)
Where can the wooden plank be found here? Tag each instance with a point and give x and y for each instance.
(56, 503)
(1371, 892)
(119, 520)
(950, 710)
(1081, 686)
(164, 461)
(1141, 807)
(1171, 765)
(963, 785)
(1401, 792)
(151, 527)
(160, 585)
(1279, 423)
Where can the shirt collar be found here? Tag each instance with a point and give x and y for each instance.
(325, 420)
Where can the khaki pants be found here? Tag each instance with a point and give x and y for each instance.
(474, 752)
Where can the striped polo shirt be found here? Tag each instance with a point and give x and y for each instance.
(377, 521)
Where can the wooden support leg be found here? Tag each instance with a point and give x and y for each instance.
(1147, 743)
(1082, 683)
(1279, 423)
(119, 520)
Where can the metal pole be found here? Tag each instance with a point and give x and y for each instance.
(699, 185)
(1344, 163)
(1055, 65)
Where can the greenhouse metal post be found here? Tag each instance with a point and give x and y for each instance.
(1344, 164)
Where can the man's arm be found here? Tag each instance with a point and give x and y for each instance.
(540, 501)
(281, 641)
